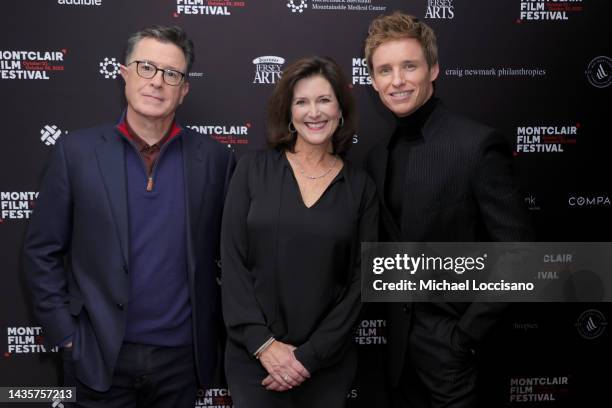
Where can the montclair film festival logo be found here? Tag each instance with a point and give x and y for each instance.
(214, 398)
(548, 10)
(17, 205)
(545, 138)
(229, 135)
(538, 389)
(31, 65)
(268, 69)
(360, 72)
(207, 7)
(26, 340)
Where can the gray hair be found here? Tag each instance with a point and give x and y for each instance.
(166, 34)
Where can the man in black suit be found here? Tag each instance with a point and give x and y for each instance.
(120, 253)
(441, 178)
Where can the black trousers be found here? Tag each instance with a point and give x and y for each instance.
(145, 376)
(437, 373)
(327, 387)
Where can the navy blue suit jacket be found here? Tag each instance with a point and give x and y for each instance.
(76, 248)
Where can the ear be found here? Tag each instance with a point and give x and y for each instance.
(123, 70)
(433, 72)
(374, 83)
(184, 91)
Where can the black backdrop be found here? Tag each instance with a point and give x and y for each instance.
(538, 70)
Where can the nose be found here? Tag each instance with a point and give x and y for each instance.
(314, 110)
(158, 79)
(398, 78)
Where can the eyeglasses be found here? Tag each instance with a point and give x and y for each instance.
(147, 70)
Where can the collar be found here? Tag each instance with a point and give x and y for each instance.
(128, 133)
(410, 127)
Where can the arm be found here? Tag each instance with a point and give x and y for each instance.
(338, 326)
(244, 320)
(505, 218)
(46, 243)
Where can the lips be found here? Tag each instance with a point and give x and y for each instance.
(316, 125)
(399, 95)
(156, 98)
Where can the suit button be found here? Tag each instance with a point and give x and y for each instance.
(125, 268)
(120, 306)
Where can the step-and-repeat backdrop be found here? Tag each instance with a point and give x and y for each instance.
(538, 70)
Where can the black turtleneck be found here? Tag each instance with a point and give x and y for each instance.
(408, 132)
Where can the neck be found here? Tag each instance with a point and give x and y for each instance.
(151, 131)
(310, 154)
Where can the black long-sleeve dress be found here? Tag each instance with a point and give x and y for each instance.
(293, 273)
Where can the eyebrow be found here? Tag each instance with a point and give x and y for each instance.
(297, 98)
(158, 65)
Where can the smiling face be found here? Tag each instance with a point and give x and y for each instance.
(315, 111)
(153, 99)
(401, 75)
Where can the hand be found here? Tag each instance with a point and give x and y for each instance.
(285, 371)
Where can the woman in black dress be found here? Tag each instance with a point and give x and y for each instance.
(293, 222)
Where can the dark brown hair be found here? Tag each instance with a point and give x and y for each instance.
(279, 106)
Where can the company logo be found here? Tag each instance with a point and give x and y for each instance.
(26, 340)
(17, 205)
(30, 64)
(230, 135)
(214, 398)
(267, 69)
(79, 2)
(492, 72)
(599, 72)
(538, 389)
(531, 203)
(207, 7)
(371, 332)
(109, 67)
(525, 326)
(298, 6)
(547, 10)
(591, 324)
(440, 9)
(49, 134)
(361, 75)
(590, 201)
(545, 139)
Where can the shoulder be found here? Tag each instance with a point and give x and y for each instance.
(210, 144)
(260, 161)
(457, 126)
(358, 178)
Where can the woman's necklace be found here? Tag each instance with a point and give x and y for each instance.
(303, 173)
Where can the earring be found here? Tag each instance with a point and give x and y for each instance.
(291, 128)
(341, 121)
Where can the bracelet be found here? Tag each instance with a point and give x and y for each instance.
(263, 347)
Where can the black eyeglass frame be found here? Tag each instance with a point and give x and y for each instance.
(164, 71)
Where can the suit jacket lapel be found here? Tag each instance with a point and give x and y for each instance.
(195, 176)
(379, 173)
(111, 161)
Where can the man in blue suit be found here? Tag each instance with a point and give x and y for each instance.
(120, 253)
